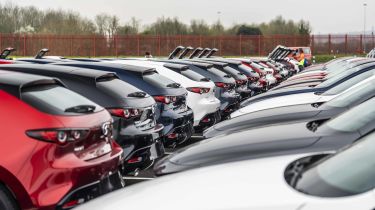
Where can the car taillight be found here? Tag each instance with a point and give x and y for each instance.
(222, 85)
(125, 113)
(198, 90)
(252, 79)
(165, 99)
(262, 81)
(240, 82)
(59, 136)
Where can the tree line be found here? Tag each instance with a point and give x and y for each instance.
(31, 20)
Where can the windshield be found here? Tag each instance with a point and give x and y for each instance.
(57, 100)
(349, 172)
(338, 77)
(354, 119)
(158, 80)
(349, 83)
(353, 96)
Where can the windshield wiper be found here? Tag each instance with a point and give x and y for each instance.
(81, 109)
(295, 173)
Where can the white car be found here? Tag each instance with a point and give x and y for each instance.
(301, 98)
(201, 97)
(316, 181)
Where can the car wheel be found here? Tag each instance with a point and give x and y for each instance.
(7, 201)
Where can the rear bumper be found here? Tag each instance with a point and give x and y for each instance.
(137, 148)
(208, 121)
(202, 107)
(178, 127)
(90, 191)
(64, 178)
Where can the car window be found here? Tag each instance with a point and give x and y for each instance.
(349, 83)
(54, 99)
(157, 80)
(117, 87)
(354, 95)
(354, 119)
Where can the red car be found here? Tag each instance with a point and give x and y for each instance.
(56, 148)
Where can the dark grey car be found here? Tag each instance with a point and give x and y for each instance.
(281, 139)
(339, 104)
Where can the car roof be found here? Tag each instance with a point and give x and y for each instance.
(216, 63)
(225, 60)
(137, 69)
(198, 64)
(15, 81)
(73, 71)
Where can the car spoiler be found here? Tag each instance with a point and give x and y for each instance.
(41, 53)
(175, 66)
(212, 52)
(195, 52)
(175, 52)
(6, 52)
(204, 52)
(185, 52)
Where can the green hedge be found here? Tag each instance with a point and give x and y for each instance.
(326, 58)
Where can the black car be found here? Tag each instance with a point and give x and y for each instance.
(282, 139)
(358, 73)
(240, 78)
(170, 97)
(133, 111)
(225, 84)
(326, 110)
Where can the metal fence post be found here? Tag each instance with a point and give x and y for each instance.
(116, 49)
(259, 50)
(94, 47)
(240, 45)
(71, 46)
(346, 44)
(313, 43)
(361, 43)
(138, 47)
(159, 45)
(24, 45)
(329, 43)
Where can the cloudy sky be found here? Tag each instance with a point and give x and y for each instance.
(325, 16)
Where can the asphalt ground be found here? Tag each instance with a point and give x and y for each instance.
(148, 174)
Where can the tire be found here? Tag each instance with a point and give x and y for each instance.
(7, 201)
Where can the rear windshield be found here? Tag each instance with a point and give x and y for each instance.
(57, 100)
(116, 87)
(193, 75)
(158, 80)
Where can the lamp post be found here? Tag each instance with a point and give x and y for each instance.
(364, 26)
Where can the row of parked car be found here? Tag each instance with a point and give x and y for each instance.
(306, 144)
(74, 127)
